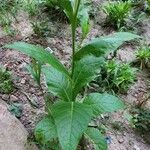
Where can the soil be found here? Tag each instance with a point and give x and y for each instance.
(27, 92)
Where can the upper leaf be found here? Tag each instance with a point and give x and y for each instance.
(96, 138)
(71, 119)
(103, 45)
(102, 103)
(85, 71)
(58, 83)
(39, 53)
(66, 5)
(83, 17)
(45, 130)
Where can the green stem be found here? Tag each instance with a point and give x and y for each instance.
(74, 25)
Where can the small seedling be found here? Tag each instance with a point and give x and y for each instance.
(143, 56)
(6, 84)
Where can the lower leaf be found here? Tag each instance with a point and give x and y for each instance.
(96, 138)
(45, 130)
(102, 103)
(71, 119)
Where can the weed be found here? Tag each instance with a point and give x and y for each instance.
(143, 56)
(117, 13)
(6, 85)
(141, 120)
(31, 6)
(116, 77)
(66, 123)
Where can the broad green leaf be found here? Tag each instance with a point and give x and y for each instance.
(39, 53)
(85, 71)
(96, 139)
(102, 103)
(72, 120)
(58, 83)
(45, 130)
(103, 45)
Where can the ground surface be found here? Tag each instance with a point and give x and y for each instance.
(27, 91)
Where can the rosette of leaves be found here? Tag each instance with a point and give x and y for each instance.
(143, 56)
(68, 118)
(116, 77)
(117, 13)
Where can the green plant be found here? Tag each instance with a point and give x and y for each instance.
(69, 116)
(143, 55)
(117, 13)
(116, 77)
(148, 6)
(31, 6)
(141, 120)
(6, 85)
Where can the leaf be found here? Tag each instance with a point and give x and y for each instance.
(66, 5)
(100, 46)
(39, 53)
(83, 17)
(71, 119)
(45, 130)
(85, 71)
(58, 83)
(102, 103)
(96, 138)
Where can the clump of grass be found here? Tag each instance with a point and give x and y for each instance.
(143, 56)
(117, 12)
(116, 77)
(6, 84)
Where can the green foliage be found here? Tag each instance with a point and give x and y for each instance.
(116, 77)
(15, 109)
(68, 117)
(143, 55)
(147, 5)
(141, 120)
(117, 13)
(6, 85)
(31, 6)
(96, 138)
(35, 70)
(8, 11)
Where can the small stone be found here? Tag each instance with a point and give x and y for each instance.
(23, 81)
(121, 140)
(5, 97)
(136, 147)
(13, 98)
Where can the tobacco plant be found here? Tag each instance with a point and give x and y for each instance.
(68, 118)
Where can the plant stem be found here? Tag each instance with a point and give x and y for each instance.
(82, 143)
(73, 27)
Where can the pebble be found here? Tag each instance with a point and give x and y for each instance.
(23, 81)
(121, 140)
(13, 98)
(136, 147)
(5, 97)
